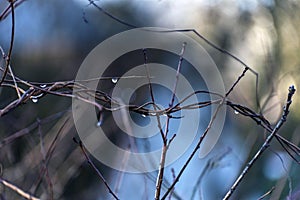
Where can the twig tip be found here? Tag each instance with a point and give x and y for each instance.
(292, 89)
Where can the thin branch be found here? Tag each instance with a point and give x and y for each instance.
(224, 51)
(44, 164)
(15, 83)
(110, 15)
(8, 10)
(173, 176)
(165, 145)
(265, 145)
(64, 88)
(194, 152)
(152, 94)
(177, 75)
(160, 175)
(95, 168)
(238, 80)
(18, 190)
(266, 194)
(203, 135)
(48, 156)
(8, 57)
(210, 165)
(30, 128)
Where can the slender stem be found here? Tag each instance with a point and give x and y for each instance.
(160, 175)
(265, 145)
(95, 168)
(18, 190)
(8, 57)
(177, 75)
(165, 143)
(193, 153)
(152, 95)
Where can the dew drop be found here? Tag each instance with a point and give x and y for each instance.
(114, 80)
(236, 112)
(43, 86)
(99, 123)
(143, 115)
(34, 100)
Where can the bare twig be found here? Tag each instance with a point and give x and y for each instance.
(266, 194)
(110, 15)
(15, 83)
(165, 144)
(262, 121)
(193, 153)
(265, 145)
(173, 176)
(76, 90)
(63, 89)
(8, 9)
(224, 51)
(202, 137)
(18, 190)
(95, 168)
(30, 128)
(210, 165)
(288, 179)
(8, 57)
(44, 165)
(177, 75)
(152, 95)
(46, 161)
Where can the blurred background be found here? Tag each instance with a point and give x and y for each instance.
(52, 38)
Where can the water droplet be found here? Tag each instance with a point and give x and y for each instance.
(236, 112)
(143, 115)
(43, 86)
(34, 100)
(114, 80)
(99, 123)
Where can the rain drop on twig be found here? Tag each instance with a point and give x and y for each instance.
(99, 123)
(114, 80)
